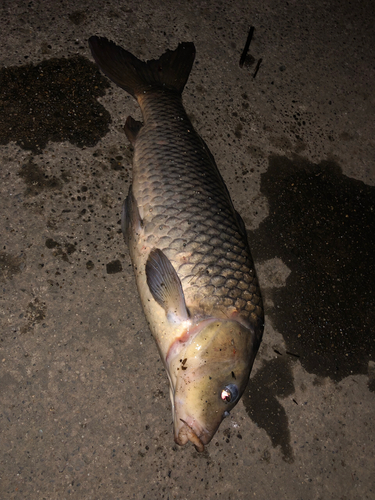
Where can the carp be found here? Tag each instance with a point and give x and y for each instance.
(188, 245)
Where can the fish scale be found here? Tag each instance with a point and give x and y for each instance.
(188, 214)
(188, 245)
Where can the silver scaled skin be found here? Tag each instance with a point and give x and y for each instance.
(190, 254)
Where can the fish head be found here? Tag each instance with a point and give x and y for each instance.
(210, 374)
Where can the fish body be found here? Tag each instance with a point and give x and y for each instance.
(189, 249)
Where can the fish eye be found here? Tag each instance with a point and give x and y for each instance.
(229, 394)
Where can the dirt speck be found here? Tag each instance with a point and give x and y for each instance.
(114, 267)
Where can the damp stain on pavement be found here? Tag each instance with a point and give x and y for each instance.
(37, 180)
(272, 381)
(55, 100)
(321, 224)
(58, 251)
(11, 265)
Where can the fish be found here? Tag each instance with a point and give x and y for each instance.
(188, 246)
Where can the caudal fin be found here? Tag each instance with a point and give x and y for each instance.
(170, 71)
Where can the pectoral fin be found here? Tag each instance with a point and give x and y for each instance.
(165, 286)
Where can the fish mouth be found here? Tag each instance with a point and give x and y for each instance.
(187, 433)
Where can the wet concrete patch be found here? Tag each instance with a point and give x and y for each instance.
(55, 100)
(371, 377)
(321, 224)
(77, 17)
(273, 380)
(11, 265)
(60, 251)
(36, 179)
(35, 313)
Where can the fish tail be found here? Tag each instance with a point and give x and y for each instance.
(171, 71)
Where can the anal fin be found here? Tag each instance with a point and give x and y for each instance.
(165, 286)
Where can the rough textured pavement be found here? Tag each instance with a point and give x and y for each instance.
(84, 404)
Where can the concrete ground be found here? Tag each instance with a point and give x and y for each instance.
(84, 404)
